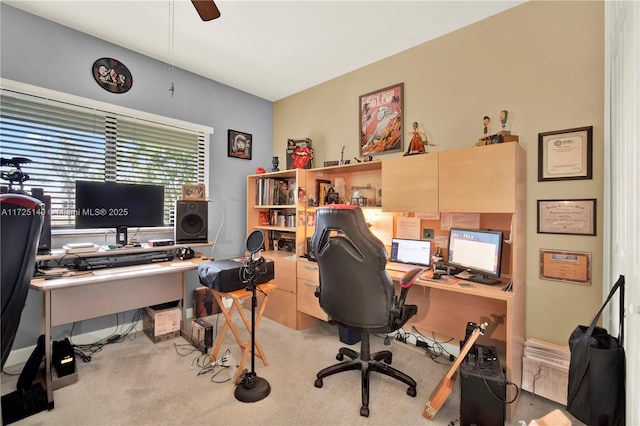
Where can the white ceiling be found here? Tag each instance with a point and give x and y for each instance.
(271, 49)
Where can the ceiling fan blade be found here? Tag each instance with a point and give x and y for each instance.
(207, 9)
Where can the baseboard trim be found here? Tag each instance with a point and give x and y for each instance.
(17, 357)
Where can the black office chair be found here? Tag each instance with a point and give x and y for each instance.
(21, 222)
(357, 292)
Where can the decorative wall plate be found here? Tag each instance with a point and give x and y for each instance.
(112, 75)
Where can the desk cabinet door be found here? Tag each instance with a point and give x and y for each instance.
(481, 179)
(410, 184)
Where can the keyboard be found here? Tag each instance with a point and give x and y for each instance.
(402, 267)
(115, 261)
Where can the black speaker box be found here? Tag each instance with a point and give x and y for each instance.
(482, 389)
(191, 222)
(44, 246)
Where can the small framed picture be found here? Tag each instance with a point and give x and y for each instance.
(193, 191)
(239, 144)
(565, 154)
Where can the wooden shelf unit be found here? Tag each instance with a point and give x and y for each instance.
(283, 306)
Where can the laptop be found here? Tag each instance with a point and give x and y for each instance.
(408, 254)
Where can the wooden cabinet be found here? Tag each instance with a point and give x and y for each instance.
(482, 179)
(308, 282)
(410, 184)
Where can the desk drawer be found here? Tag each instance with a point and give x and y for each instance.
(307, 301)
(285, 273)
(308, 271)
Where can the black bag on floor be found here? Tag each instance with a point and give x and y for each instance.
(596, 391)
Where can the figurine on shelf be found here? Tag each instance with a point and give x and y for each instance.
(275, 162)
(504, 114)
(418, 140)
(485, 121)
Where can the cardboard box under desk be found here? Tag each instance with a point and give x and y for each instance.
(161, 324)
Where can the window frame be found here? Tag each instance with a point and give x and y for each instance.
(153, 119)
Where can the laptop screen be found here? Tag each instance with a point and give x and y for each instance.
(415, 252)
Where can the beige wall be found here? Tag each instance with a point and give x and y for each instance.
(541, 61)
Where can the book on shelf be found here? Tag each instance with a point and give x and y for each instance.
(275, 192)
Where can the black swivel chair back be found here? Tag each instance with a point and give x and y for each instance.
(21, 222)
(357, 292)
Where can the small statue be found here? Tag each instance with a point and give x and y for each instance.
(418, 140)
(504, 114)
(485, 121)
(275, 162)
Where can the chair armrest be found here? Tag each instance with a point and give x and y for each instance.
(400, 315)
(410, 277)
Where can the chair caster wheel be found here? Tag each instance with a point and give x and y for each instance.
(364, 411)
(387, 360)
(318, 384)
(339, 357)
(410, 391)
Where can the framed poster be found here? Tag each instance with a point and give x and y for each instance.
(570, 217)
(299, 154)
(381, 118)
(566, 266)
(239, 144)
(565, 154)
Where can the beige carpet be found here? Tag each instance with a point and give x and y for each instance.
(137, 382)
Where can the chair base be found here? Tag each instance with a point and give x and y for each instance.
(366, 362)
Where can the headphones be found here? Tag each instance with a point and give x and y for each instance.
(185, 253)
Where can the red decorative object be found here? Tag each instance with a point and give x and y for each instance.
(260, 170)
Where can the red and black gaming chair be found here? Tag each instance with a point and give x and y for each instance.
(357, 293)
(21, 222)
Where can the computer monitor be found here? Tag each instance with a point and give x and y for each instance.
(118, 205)
(477, 252)
(414, 252)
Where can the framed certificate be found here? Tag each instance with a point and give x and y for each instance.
(571, 267)
(565, 154)
(571, 217)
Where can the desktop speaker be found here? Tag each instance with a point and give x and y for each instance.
(191, 222)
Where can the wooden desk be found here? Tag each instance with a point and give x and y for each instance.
(108, 291)
(264, 290)
(445, 307)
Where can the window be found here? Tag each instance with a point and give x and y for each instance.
(67, 142)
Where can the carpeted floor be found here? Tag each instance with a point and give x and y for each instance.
(137, 382)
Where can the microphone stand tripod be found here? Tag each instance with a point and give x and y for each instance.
(251, 387)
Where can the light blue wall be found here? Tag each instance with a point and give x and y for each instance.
(46, 54)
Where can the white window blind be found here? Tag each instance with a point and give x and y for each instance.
(67, 143)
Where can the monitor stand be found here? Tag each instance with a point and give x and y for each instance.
(482, 279)
(121, 236)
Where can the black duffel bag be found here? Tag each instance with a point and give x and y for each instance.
(596, 391)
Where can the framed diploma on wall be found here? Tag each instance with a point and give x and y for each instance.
(569, 217)
(565, 154)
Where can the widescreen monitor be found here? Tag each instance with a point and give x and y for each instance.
(118, 205)
(477, 252)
